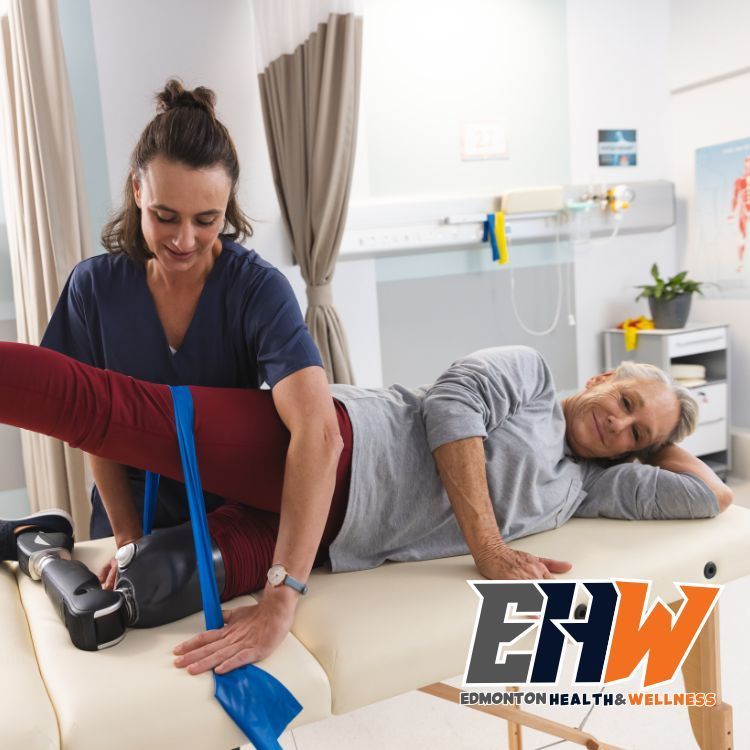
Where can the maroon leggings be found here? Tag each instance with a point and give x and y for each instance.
(241, 444)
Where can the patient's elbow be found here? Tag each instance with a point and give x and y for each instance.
(725, 497)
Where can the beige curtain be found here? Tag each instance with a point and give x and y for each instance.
(47, 219)
(310, 99)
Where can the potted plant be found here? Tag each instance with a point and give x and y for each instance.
(669, 299)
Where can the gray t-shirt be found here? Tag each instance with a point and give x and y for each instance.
(398, 508)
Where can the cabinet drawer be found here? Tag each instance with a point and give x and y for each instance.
(695, 342)
(712, 402)
(708, 438)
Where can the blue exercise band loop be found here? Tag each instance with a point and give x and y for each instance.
(257, 702)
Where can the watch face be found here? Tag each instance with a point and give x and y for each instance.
(276, 575)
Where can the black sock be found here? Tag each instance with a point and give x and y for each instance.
(8, 547)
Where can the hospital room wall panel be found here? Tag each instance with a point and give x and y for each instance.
(80, 59)
(426, 323)
(356, 296)
(617, 61)
(714, 109)
(618, 55)
(11, 462)
(707, 40)
(628, 89)
(7, 307)
(430, 67)
(12, 479)
(427, 69)
(606, 274)
(174, 38)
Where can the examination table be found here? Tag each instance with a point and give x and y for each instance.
(357, 638)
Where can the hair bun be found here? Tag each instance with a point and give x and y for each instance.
(174, 95)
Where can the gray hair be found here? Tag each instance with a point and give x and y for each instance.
(688, 420)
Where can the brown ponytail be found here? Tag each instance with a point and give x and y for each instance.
(185, 130)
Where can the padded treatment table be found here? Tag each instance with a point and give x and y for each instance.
(357, 638)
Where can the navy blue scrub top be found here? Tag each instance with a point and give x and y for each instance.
(247, 330)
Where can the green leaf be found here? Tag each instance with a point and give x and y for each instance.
(669, 289)
(646, 291)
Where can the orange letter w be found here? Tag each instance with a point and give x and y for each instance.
(665, 641)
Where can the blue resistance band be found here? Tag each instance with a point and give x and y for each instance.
(255, 700)
(149, 501)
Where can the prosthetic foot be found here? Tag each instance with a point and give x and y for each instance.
(157, 583)
(95, 618)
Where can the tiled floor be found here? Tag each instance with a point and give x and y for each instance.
(419, 722)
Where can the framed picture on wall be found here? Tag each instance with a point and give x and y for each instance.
(618, 148)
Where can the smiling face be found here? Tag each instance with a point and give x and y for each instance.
(613, 418)
(182, 212)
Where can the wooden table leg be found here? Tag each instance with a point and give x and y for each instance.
(701, 670)
(516, 715)
(515, 739)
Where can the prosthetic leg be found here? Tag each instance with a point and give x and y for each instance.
(157, 583)
(158, 576)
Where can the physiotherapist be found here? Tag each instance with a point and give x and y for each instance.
(176, 300)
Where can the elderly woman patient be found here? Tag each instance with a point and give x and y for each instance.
(483, 456)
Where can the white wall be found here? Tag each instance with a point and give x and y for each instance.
(617, 58)
(428, 67)
(708, 41)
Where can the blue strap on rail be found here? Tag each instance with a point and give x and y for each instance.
(257, 702)
(490, 233)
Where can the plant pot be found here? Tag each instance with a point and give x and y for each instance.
(670, 313)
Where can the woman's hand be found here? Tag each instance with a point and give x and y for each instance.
(510, 564)
(108, 575)
(249, 634)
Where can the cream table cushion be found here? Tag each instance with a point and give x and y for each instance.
(357, 638)
(27, 719)
(381, 632)
(131, 696)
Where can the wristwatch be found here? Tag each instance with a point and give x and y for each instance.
(277, 576)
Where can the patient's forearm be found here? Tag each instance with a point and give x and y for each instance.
(461, 466)
(112, 482)
(674, 458)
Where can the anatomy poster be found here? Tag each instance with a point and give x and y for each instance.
(722, 213)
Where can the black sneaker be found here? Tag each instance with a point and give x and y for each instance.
(53, 520)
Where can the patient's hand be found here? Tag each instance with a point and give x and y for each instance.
(108, 575)
(511, 564)
(249, 635)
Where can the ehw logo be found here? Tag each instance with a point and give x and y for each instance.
(618, 633)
